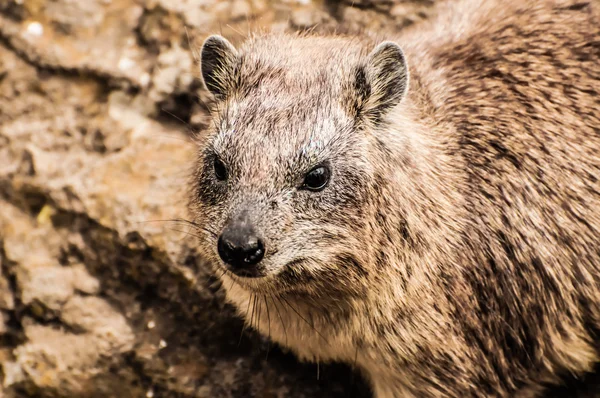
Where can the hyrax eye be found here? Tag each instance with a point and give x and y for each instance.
(317, 178)
(220, 170)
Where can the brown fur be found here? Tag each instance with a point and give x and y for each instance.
(456, 251)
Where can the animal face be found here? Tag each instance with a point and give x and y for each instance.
(285, 172)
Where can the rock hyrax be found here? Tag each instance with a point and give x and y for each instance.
(425, 206)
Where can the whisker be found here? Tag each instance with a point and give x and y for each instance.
(269, 325)
(194, 55)
(206, 106)
(236, 31)
(214, 122)
(304, 319)
(214, 284)
(253, 309)
(189, 126)
(222, 274)
(232, 282)
(245, 322)
(179, 220)
(259, 312)
(185, 232)
(186, 222)
(247, 26)
(318, 369)
(214, 234)
(281, 319)
(354, 365)
(256, 316)
(172, 137)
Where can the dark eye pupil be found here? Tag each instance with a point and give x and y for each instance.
(220, 170)
(317, 178)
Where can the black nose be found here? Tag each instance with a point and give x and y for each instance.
(242, 250)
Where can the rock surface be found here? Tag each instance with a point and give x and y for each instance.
(99, 297)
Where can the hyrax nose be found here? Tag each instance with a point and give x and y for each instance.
(241, 248)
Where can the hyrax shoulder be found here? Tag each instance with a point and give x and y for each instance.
(426, 207)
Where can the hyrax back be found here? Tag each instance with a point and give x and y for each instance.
(430, 214)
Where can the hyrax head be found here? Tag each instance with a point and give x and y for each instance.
(285, 174)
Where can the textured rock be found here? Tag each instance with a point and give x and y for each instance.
(74, 35)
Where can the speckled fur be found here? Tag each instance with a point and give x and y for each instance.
(456, 250)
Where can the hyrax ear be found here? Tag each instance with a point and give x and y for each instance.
(384, 82)
(217, 61)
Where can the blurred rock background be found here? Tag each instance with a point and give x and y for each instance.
(98, 101)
